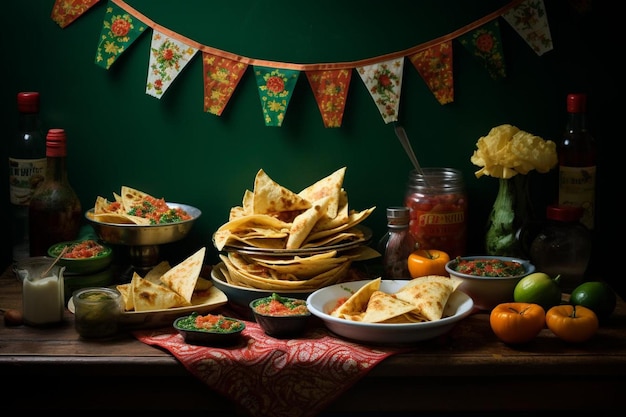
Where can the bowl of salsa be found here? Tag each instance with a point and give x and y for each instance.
(279, 316)
(489, 280)
(209, 329)
(86, 256)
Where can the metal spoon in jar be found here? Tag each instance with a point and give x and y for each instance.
(404, 140)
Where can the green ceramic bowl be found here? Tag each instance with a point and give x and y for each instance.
(88, 256)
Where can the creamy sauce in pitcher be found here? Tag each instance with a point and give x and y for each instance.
(43, 300)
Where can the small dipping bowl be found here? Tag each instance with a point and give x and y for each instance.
(90, 256)
(97, 311)
(281, 317)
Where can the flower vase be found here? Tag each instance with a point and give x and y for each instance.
(510, 213)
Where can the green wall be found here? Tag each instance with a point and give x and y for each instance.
(118, 135)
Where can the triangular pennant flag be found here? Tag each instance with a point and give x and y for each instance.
(485, 44)
(276, 87)
(65, 12)
(221, 76)
(119, 30)
(384, 82)
(330, 89)
(435, 67)
(168, 57)
(530, 21)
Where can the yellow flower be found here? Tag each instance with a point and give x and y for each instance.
(507, 151)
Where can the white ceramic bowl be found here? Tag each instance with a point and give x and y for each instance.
(487, 292)
(322, 301)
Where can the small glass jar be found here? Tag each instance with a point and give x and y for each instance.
(438, 202)
(563, 246)
(97, 311)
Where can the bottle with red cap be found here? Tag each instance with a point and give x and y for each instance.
(55, 212)
(563, 246)
(577, 160)
(27, 168)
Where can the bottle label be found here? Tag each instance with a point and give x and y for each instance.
(577, 187)
(25, 175)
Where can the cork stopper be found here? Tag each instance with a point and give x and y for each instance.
(576, 103)
(56, 143)
(28, 102)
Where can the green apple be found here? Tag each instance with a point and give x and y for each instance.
(538, 288)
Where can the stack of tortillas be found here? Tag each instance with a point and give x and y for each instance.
(282, 240)
(421, 299)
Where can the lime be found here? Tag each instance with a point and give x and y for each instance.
(538, 288)
(595, 295)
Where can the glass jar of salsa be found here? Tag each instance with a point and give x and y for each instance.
(438, 202)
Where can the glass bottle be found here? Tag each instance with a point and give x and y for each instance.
(563, 246)
(27, 169)
(55, 212)
(397, 244)
(577, 160)
(437, 200)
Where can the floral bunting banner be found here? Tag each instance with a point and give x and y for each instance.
(119, 30)
(384, 82)
(530, 21)
(485, 44)
(330, 82)
(65, 12)
(168, 57)
(221, 76)
(435, 67)
(330, 89)
(275, 90)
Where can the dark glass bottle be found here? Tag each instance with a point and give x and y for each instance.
(563, 246)
(55, 212)
(27, 169)
(577, 161)
(397, 244)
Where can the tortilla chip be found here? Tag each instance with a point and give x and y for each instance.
(382, 306)
(271, 197)
(150, 296)
(155, 274)
(304, 222)
(357, 302)
(132, 197)
(202, 284)
(328, 187)
(182, 278)
(429, 294)
(127, 296)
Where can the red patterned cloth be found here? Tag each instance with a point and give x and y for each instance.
(277, 377)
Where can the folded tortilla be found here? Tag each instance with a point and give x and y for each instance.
(428, 294)
(383, 306)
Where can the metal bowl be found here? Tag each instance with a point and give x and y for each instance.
(144, 235)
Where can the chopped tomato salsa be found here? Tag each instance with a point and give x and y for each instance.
(489, 267)
(158, 212)
(210, 323)
(81, 250)
(275, 305)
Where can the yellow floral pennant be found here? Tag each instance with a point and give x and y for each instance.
(276, 87)
(384, 82)
(330, 89)
(168, 57)
(435, 67)
(221, 77)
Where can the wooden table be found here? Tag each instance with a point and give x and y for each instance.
(466, 370)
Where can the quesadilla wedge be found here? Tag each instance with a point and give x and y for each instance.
(382, 306)
(304, 222)
(271, 197)
(357, 302)
(328, 187)
(428, 294)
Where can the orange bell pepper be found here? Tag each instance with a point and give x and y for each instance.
(571, 323)
(515, 323)
(424, 262)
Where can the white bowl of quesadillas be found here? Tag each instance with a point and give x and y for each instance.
(391, 311)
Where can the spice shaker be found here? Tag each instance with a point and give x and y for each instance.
(397, 244)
